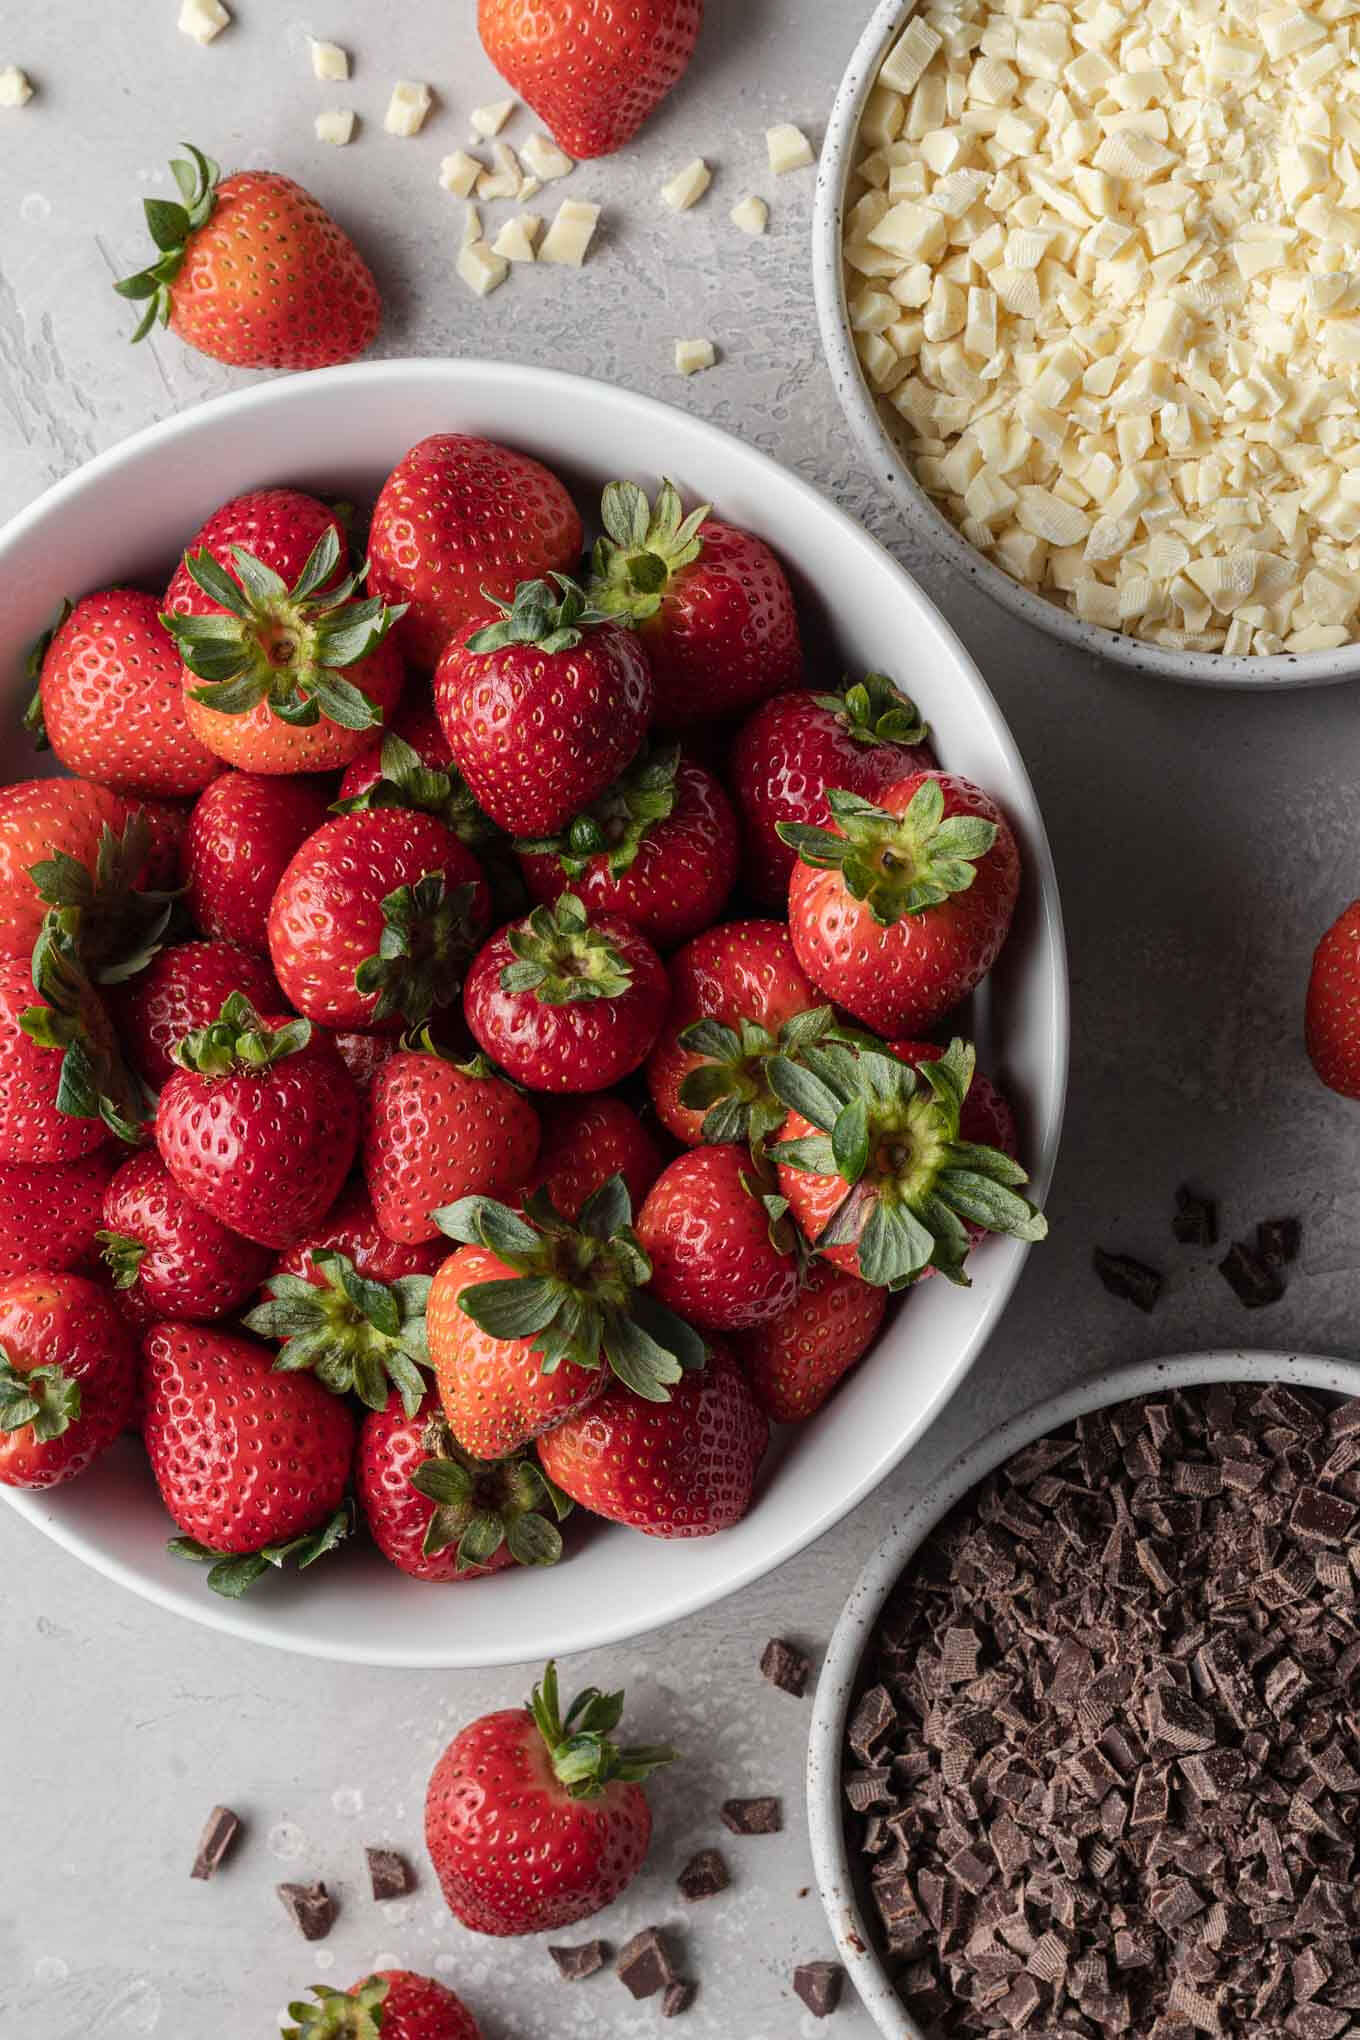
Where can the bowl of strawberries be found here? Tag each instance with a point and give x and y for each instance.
(533, 1014)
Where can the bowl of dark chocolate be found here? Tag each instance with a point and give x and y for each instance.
(1085, 1754)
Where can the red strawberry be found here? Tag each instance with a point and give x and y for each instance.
(863, 738)
(251, 1464)
(435, 1131)
(460, 519)
(494, 1391)
(58, 1060)
(167, 825)
(45, 819)
(393, 2003)
(49, 1215)
(411, 766)
(183, 988)
(794, 1361)
(720, 1256)
(110, 700)
(241, 834)
(685, 1468)
(253, 271)
(364, 1055)
(534, 1820)
(737, 992)
(169, 1258)
(1330, 1015)
(68, 1378)
(351, 1228)
(258, 1123)
(899, 910)
(659, 848)
(712, 604)
(591, 74)
(585, 1142)
(438, 1514)
(567, 1002)
(543, 706)
(374, 919)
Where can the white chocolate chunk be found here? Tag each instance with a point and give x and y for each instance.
(481, 269)
(329, 62)
(516, 239)
(788, 148)
(568, 238)
(693, 355)
(336, 125)
(751, 214)
(489, 120)
(16, 88)
(472, 226)
(459, 172)
(546, 160)
(203, 20)
(408, 108)
(687, 186)
(908, 58)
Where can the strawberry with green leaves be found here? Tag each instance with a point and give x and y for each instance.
(357, 1336)
(410, 766)
(435, 1130)
(47, 821)
(168, 1258)
(68, 1378)
(116, 921)
(721, 1249)
(392, 2004)
(793, 1361)
(183, 987)
(63, 1086)
(240, 838)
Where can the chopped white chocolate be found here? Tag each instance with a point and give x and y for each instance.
(516, 238)
(459, 172)
(16, 88)
(751, 214)
(529, 187)
(472, 225)
(336, 125)
(504, 179)
(481, 269)
(570, 235)
(203, 20)
(489, 120)
(687, 186)
(546, 160)
(693, 355)
(788, 147)
(329, 61)
(408, 108)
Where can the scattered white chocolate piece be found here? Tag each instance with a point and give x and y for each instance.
(481, 269)
(504, 180)
(203, 20)
(329, 61)
(546, 160)
(751, 214)
(489, 120)
(693, 355)
(472, 225)
(570, 234)
(516, 238)
(687, 186)
(408, 107)
(529, 187)
(789, 148)
(336, 125)
(459, 172)
(16, 88)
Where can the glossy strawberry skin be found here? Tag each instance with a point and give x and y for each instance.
(708, 1238)
(432, 1133)
(592, 74)
(398, 1515)
(193, 1267)
(243, 831)
(513, 1852)
(49, 1215)
(68, 1322)
(494, 1391)
(31, 1127)
(418, 2008)
(456, 517)
(1332, 1011)
(351, 1228)
(685, 1468)
(905, 978)
(585, 1142)
(271, 281)
(794, 1361)
(726, 633)
(416, 723)
(113, 701)
(39, 817)
(182, 988)
(267, 1152)
(585, 1045)
(243, 1456)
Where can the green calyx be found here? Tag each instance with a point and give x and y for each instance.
(94, 1082)
(34, 662)
(890, 1129)
(731, 1087)
(578, 1292)
(874, 710)
(552, 616)
(340, 2014)
(237, 1042)
(232, 1574)
(896, 864)
(408, 782)
(615, 825)
(561, 958)
(43, 1397)
(642, 547)
(123, 1256)
(480, 1505)
(120, 927)
(286, 646)
(584, 1759)
(172, 226)
(429, 932)
(358, 1337)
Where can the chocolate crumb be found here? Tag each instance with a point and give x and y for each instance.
(310, 1907)
(703, 1876)
(1196, 1221)
(785, 1667)
(819, 1985)
(1253, 1281)
(1132, 1281)
(219, 1833)
(679, 1997)
(1278, 1240)
(389, 1874)
(643, 1964)
(752, 1816)
(585, 1958)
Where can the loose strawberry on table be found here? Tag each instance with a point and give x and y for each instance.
(722, 1252)
(395, 2004)
(167, 1257)
(591, 74)
(1332, 1010)
(241, 835)
(182, 988)
(585, 1142)
(68, 1376)
(795, 1360)
(49, 1214)
(435, 1130)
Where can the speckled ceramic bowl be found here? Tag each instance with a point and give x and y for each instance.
(838, 1879)
(892, 469)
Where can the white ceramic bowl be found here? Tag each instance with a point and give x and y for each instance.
(127, 514)
(838, 1684)
(892, 469)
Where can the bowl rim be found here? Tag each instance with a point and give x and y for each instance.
(891, 469)
(854, 1627)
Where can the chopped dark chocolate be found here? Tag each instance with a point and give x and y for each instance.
(1132, 1281)
(220, 1831)
(1253, 1281)
(311, 1909)
(703, 1876)
(678, 1998)
(585, 1958)
(643, 1964)
(753, 1816)
(819, 1985)
(389, 1874)
(1278, 1240)
(1196, 1221)
(785, 1667)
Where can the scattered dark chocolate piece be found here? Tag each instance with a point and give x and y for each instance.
(752, 1816)
(785, 1667)
(575, 1963)
(819, 1985)
(679, 1997)
(644, 1965)
(1132, 1281)
(311, 1909)
(1196, 1221)
(1278, 1240)
(389, 1874)
(704, 1876)
(220, 1831)
(1253, 1281)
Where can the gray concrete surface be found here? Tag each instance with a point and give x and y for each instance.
(1202, 842)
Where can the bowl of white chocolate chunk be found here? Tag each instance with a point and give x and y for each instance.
(1088, 278)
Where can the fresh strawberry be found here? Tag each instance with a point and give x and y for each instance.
(168, 1257)
(253, 271)
(879, 1168)
(543, 706)
(167, 826)
(68, 1377)
(49, 1215)
(357, 1336)
(659, 848)
(899, 910)
(591, 74)
(393, 2003)
(374, 919)
(241, 835)
(61, 1087)
(42, 820)
(252, 1464)
(411, 766)
(351, 1228)
(110, 700)
(711, 603)
(459, 520)
(1332, 1012)
(737, 997)
(115, 921)
(438, 1514)
(863, 738)
(685, 1468)
(258, 1123)
(720, 1248)
(435, 1131)
(532, 1315)
(536, 1820)
(183, 988)
(566, 1001)
(585, 1142)
(794, 1361)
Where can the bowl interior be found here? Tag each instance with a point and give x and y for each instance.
(126, 516)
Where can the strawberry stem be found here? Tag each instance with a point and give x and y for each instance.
(481, 1505)
(357, 1336)
(232, 1573)
(643, 547)
(584, 1759)
(239, 1041)
(562, 959)
(340, 2014)
(172, 226)
(44, 1397)
(616, 824)
(896, 864)
(550, 622)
